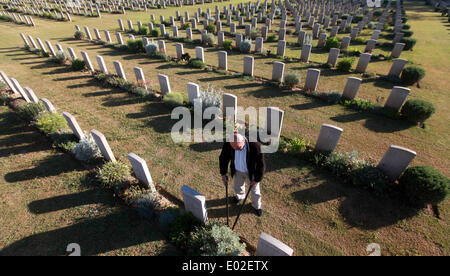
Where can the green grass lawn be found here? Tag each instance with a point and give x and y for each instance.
(305, 208)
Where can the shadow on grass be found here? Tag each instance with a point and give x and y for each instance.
(50, 166)
(98, 235)
(359, 208)
(205, 147)
(374, 122)
(233, 208)
(310, 105)
(266, 92)
(73, 78)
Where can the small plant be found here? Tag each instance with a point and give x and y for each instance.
(332, 42)
(352, 52)
(409, 43)
(143, 30)
(412, 74)
(215, 240)
(60, 57)
(64, 139)
(291, 79)
(227, 44)
(359, 104)
(297, 145)
(209, 40)
(181, 228)
(359, 41)
(50, 122)
(211, 28)
(146, 204)
(78, 65)
(155, 33)
(245, 46)
(167, 216)
(151, 49)
(113, 174)
(417, 111)
(271, 38)
(87, 150)
(210, 97)
(79, 35)
(407, 33)
(345, 65)
(173, 99)
(196, 63)
(136, 46)
(30, 111)
(424, 185)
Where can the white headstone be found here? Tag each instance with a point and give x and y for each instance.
(103, 145)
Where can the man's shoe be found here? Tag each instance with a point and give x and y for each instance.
(259, 212)
(236, 200)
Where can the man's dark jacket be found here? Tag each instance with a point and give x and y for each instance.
(256, 165)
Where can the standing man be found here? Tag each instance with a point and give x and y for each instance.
(247, 166)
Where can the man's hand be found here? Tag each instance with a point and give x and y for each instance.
(225, 180)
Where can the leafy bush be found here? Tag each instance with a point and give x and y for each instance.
(371, 25)
(211, 28)
(406, 27)
(181, 228)
(64, 139)
(215, 240)
(113, 174)
(5, 96)
(210, 97)
(352, 52)
(360, 41)
(409, 43)
(161, 55)
(412, 74)
(151, 49)
(407, 33)
(332, 42)
(345, 65)
(50, 122)
(146, 204)
(143, 30)
(227, 44)
(359, 104)
(271, 38)
(173, 99)
(30, 111)
(424, 185)
(79, 35)
(60, 57)
(136, 46)
(245, 46)
(417, 111)
(87, 150)
(291, 79)
(331, 97)
(78, 65)
(357, 18)
(372, 177)
(155, 33)
(297, 145)
(340, 164)
(209, 39)
(196, 63)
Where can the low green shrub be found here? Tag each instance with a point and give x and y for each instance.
(359, 104)
(143, 30)
(424, 185)
(407, 33)
(155, 33)
(196, 63)
(359, 41)
(173, 99)
(291, 79)
(211, 28)
(370, 176)
(113, 174)
(245, 46)
(136, 46)
(50, 122)
(78, 65)
(151, 49)
(227, 45)
(213, 239)
(412, 74)
(209, 40)
(409, 43)
(166, 217)
(417, 111)
(406, 27)
(332, 42)
(345, 64)
(181, 228)
(86, 149)
(271, 38)
(79, 35)
(64, 139)
(30, 111)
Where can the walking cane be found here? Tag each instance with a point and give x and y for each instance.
(228, 211)
(242, 207)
